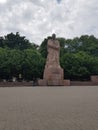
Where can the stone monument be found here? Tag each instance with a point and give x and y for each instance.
(53, 73)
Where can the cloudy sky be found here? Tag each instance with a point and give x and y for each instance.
(37, 19)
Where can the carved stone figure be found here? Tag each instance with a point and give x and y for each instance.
(53, 73)
(53, 49)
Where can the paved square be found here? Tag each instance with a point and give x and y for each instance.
(49, 108)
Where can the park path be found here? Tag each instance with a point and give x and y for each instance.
(49, 108)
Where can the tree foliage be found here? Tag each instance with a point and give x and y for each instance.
(78, 57)
(79, 66)
(32, 65)
(15, 41)
(29, 63)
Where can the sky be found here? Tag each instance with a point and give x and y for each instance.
(37, 19)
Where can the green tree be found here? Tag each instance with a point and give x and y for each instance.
(1, 42)
(89, 44)
(33, 64)
(79, 66)
(10, 63)
(4, 68)
(43, 48)
(15, 41)
(14, 62)
(78, 57)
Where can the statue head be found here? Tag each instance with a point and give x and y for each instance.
(53, 36)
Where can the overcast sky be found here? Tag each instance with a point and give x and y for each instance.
(37, 19)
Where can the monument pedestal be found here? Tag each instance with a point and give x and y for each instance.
(42, 82)
(53, 76)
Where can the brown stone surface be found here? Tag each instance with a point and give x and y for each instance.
(66, 82)
(42, 82)
(53, 76)
(94, 79)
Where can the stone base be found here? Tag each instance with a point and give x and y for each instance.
(53, 73)
(66, 82)
(55, 82)
(54, 76)
(94, 79)
(43, 82)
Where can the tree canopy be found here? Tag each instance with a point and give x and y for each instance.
(15, 41)
(78, 57)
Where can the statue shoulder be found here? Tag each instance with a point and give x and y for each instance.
(57, 42)
(50, 41)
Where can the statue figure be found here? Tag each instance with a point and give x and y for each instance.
(53, 73)
(53, 49)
